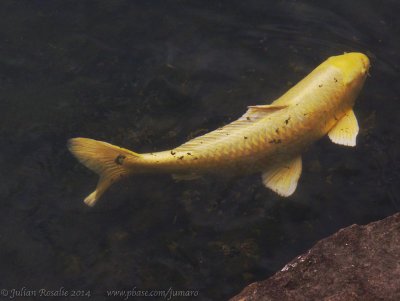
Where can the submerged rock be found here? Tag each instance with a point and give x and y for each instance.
(355, 263)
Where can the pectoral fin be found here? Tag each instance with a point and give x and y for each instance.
(345, 131)
(283, 178)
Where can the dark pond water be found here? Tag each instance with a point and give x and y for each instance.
(146, 75)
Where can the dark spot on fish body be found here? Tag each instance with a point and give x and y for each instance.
(335, 79)
(195, 158)
(320, 85)
(120, 159)
(275, 141)
(173, 153)
(277, 130)
(245, 137)
(189, 154)
(248, 118)
(287, 120)
(181, 157)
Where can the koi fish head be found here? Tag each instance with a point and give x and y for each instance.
(354, 67)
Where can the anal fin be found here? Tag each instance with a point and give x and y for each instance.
(283, 178)
(345, 131)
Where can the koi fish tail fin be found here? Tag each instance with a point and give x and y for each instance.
(105, 159)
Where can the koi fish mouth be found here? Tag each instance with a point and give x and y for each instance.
(365, 62)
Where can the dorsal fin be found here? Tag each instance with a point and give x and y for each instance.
(252, 115)
(255, 113)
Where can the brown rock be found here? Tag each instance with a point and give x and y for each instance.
(355, 263)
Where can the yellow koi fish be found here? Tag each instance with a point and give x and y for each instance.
(268, 138)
